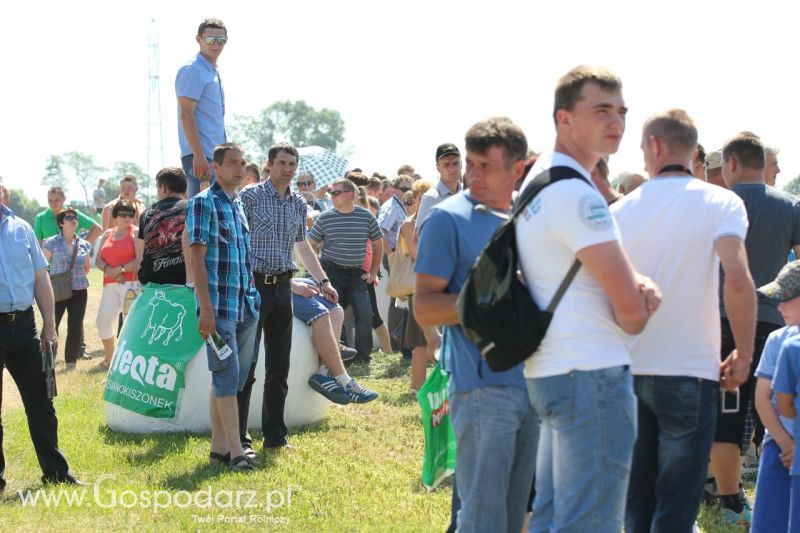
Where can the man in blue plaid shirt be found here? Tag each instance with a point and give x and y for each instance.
(226, 298)
(277, 219)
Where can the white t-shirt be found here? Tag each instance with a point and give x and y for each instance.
(669, 226)
(564, 218)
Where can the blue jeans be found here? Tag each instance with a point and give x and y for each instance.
(773, 487)
(229, 375)
(677, 416)
(353, 291)
(585, 449)
(497, 431)
(192, 183)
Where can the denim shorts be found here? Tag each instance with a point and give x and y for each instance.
(310, 309)
(229, 375)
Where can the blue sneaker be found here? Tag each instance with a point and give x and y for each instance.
(729, 516)
(330, 388)
(359, 394)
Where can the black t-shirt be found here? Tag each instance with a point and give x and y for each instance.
(161, 228)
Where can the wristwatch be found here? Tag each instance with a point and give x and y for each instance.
(323, 282)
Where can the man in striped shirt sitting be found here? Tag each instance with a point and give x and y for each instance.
(342, 233)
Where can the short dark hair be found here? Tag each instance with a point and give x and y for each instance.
(570, 85)
(347, 185)
(276, 148)
(123, 206)
(701, 153)
(358, 178)
(129, 178)
(375, 183)
(747, 148)
(498, 131)
(173, 178)
(60, 217)
(211, 23)
(56, 189)
(222, 149)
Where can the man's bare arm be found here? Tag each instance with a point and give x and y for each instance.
(200, 167)
(433, 306)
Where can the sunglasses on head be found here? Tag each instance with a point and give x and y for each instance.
(213, 40)
(337, 193)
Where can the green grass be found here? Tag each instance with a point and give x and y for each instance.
(357, 470)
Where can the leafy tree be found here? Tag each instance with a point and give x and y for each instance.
(85, 169)
(793, 187)
(24, 207)
(54, 174)
(122, 168)
(285, 120)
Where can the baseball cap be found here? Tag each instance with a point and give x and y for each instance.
(447, 149)
(786, 286)
(714, 160)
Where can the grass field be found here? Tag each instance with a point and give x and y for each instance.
(357, 470)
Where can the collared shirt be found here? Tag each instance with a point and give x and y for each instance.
(390, 218)
(218, 222)
(433, 196)
(200, 81)
(20, 259)
(46, 226)
(276, 223)
(62, 257)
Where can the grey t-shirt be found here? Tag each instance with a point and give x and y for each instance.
(344, 236)
(774, 228)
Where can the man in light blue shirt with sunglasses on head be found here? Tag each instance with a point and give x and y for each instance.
(201, 106)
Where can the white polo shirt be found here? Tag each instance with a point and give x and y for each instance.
(669, 227)
(564, 218)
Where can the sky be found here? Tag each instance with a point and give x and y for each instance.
(405, 76)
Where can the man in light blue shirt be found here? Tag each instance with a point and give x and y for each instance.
(201, 106)
(23, 278)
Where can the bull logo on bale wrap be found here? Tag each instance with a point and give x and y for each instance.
(154, 348)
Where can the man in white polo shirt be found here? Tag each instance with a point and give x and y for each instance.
(579, 380)
(677, 230)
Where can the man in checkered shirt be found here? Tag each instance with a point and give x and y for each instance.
(277, 218)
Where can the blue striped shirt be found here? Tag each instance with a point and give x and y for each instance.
(20, 259)
(276, 223)
(390, 217)
(218, 222)
(344, 235)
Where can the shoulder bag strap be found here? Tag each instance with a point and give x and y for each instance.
(74, 254)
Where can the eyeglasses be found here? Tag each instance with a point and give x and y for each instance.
(337, 193)
(408, 202)
(213, 40)
(404, 189)
(125, 215)
(305, 183)
(71, 218)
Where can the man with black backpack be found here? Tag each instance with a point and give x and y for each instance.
(495, 426)
(579, 379)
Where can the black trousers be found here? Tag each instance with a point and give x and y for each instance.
(21, 354)
(76, 310)
(275, 322)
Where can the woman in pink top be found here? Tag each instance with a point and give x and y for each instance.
(119, 258)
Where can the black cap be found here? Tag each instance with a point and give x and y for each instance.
(447, 149)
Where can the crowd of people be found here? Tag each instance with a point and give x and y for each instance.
(672, 351)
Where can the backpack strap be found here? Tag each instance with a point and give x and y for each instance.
(541, 181)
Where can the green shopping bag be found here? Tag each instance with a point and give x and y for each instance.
(440, 440)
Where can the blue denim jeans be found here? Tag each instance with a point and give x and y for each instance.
(676, 420)
(229, 376)
(585, 449)
(353, 291)
(497, 431)
(192, 183)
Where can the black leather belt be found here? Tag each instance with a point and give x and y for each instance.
(272, 279)
(13, 315)
(327, 265)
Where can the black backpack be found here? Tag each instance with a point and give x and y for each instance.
(494, 306)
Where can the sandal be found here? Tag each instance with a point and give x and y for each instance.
(241, 464)
(218, 458)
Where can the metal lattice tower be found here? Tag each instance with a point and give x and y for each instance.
(155, 137)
